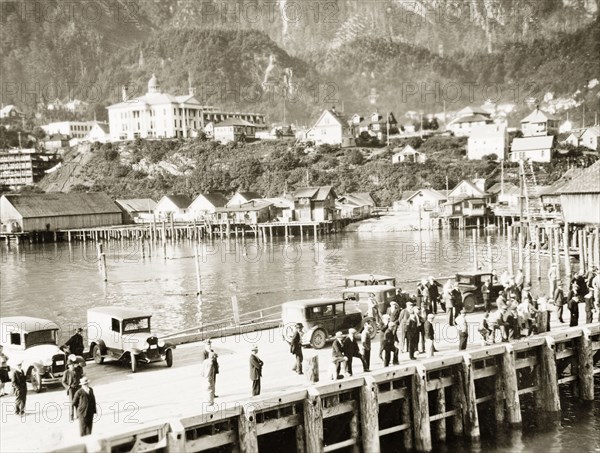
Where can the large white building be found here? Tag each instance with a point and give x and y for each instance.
(487, 139)
(332, 129)
(162, 115)
(72, 129)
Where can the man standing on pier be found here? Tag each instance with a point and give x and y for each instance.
(255, 370)
(75, 343)
(337, 355)
(351, 350)
(296, 347)
(463, 330)
(596, 290)
(71, 380)
(552, 280)
(559, 302)
(209, 353)
(365, 343)
(19, 382)
(429, 335)
(85, 403)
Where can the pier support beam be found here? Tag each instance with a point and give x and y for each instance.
(469, 407)
(313, 422)
(548, 398)
(420, 401)
(511, 388)
(440, 407)
(586, 365)
(247, 430)
(369, 411)
(176, 436)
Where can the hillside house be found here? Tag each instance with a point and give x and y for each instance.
(242, 197)
(355, 205)
(137, 209)
(506, 195)
(57, 211)
(331, 129)
(426, 200)
(467, 119)
(376, 125)
(282, 209)
(315, 204)
(233, 130)
(466, 189)
(539, 123)
(580, 197)
(72, 129)
(408, 154)
(589, 138)
(76, 106)
(535, 149)
(206, 204)
(99, 132)
(250, 213)
(10, 112)
(487, 139)
(172, 207)
(56, 141)
(574, 138)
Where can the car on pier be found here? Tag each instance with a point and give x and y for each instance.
(321, 318)
(359, 295)
(470, 284)
(35, 342)
(369, 279)
(124, 334)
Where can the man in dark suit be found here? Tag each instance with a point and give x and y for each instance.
(85, 404)
(75, 343)
(351, 349)
(337, 354)
(71, 381)
(255, 371)
(296, 347)
(19, 382)
(210, 353)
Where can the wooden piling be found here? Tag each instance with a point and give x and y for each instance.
(509, 249)
(369, 411)
(313, 369)
(566, 249)
(511, 388)
(548, 397)
(585, 370)
(581, 242)
(440, 407)
(469, 409)
(313, 421)
(248, 435)
(407, 437)
(499, 403)
(420, 407)
(597, 246)
(520, 247)
(101, 261)
(590, 250)
(550, 242)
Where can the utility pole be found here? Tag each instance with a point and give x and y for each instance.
(502, 177)
(388, 129)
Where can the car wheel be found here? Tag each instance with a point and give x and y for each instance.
(97, 353)
(169, 358)
(36, 381)
(318, 339)
(134, 364)
(469, 302)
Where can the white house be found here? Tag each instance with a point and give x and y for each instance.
(408, 154)
(74, 129)
(10, 111)
(487, 139)
(538, 123)
(468, 189)
(565, 127)
(426, 200)
(463, 125)
(172, 207)
(162, 115)
(99, 132)
(589, 138)
(536, 149)
(233, 129)
(574, 138)
(332, 129)
(75, 106)
(205, 204)
(242, 197)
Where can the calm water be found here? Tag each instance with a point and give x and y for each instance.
(61, 281)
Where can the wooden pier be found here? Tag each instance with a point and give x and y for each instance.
(414, 404)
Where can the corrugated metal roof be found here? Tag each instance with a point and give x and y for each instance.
(137, 204)
(62, 204)
(587, 182)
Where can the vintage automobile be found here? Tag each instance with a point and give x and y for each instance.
(34, 341)
(384, 294)
(364, 279)
(124, 334)
(470, 283)
(321, 318)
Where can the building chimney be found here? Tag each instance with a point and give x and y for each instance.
(124, 93)
(333, 109)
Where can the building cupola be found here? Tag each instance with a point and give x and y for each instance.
(153, 85)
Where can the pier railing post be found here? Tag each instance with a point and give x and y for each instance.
(176, 437)
(511, 388)
(313, 421)
(586, 365)
(247, 430)
(469, 408)
(548, 398)
(420, 401)
(369, 415)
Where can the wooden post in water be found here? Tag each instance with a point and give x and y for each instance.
(470, 416)
(566, 250)
(234, 304)
(198, 282)
(440, 407)
(499, 397)
(313, 421)
(511, 388)
(489, 252)
(509, 249)
(420, 406)
(548, 397)
(586, 365)
(369, 412)
(101, 261)
(405, 417)
(247, 429)
(313, 368)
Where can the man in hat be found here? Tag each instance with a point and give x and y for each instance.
(19, 382)
(365, 342)
(463, 329)
(393, 312)
(337, 354)
(209, 353)
(255, 370)
(296, 347)
(433, 287)
(429, 335)
(596, 290)
(85, 404)
(71, 381)
(351, 350)
(75, 343)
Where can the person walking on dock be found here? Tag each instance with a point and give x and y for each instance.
(19, 382)
(256, 366)
(429, 335)
(337, 356)
(208, 379)
(389, 340)
(365, 344)
(463, 329)
(412, 333)
(485, 293)
(573, 306)
(455, 304)
(351, 350)
(296, 347)
(559, 302)
(552, 279)
(85, 404)
(209, 352)
(4, 369)
(75, 343)
(71, 381)
(433, 287)
(596, 290)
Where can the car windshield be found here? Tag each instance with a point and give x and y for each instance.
(40, 337)
(466, 279)
(136, 325)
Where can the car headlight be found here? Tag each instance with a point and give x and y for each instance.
(47, 362)
(146, 346)
(161, 344)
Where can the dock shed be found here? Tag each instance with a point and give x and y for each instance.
(58, 211)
